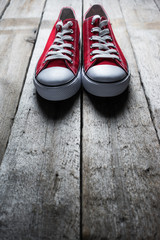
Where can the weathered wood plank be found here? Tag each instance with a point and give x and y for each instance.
(17, 34)
(143, 23)
(39, 176)
(3, 6)
(121, 157)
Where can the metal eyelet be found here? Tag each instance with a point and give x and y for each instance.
(72, 39)
(71, 62)
(91, 46)
(90, 38)
(71, 23)
(91, 60)
(71, 31)
(91, 31)
(72, 47)
(92, 23)
(91, 54)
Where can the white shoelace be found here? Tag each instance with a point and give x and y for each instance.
(58, 51)
(104, 47)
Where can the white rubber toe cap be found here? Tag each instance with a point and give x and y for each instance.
(106, 73)
(55, 76)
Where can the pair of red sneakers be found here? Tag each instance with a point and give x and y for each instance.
(104, 73)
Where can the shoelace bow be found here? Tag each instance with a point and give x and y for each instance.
(58, 51)
(104, 47)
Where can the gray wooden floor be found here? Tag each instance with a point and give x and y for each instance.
(86, 168)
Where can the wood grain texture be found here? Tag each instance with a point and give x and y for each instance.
(143, 23)
(39, 176)
(3, 6)
(18, 28)
(121, 157)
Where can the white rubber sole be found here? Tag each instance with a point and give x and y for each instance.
(61, 92)
(104, 89)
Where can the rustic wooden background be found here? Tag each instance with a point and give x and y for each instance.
(87, 168)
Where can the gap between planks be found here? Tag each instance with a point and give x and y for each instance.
(2, 11)
(81, 137)
(157, 2)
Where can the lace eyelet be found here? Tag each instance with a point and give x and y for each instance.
(90, 38)
(71, 62)
(92, 23)
(91, 46)
(72, 39)
(71, 24)
(91, 60)
(91, 31)
(72, 47)
(71, 31)
(91, 54)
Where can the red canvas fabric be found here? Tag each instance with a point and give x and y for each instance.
(60, 62)
(87, 34)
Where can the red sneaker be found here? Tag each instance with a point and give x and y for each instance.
(57, 74)
(105, 72)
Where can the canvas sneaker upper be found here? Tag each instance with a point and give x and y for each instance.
(59, 61)
(103, 58)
